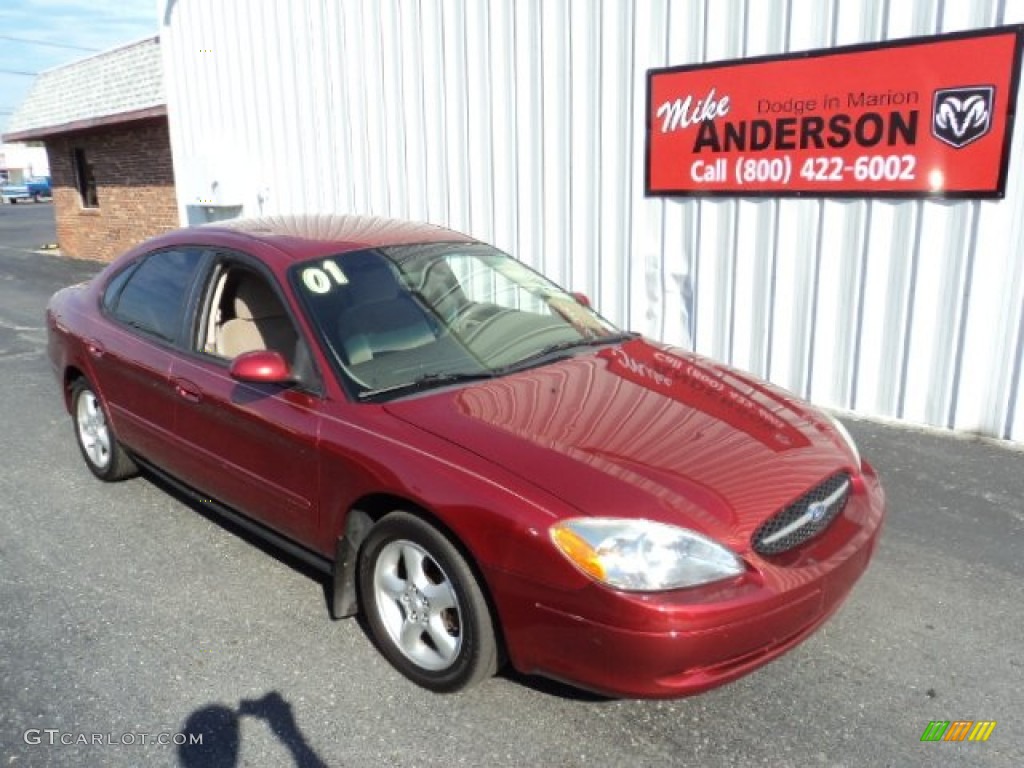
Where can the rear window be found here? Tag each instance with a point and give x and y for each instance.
(152, 297)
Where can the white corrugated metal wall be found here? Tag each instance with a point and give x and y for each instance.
(521, 122)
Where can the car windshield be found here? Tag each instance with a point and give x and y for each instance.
(404, 318)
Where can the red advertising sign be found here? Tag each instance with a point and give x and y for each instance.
(914, 118)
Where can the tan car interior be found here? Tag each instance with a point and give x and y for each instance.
(247, 317)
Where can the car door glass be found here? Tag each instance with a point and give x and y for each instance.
(247, 316)
(154, 295)
(113, 289)
(243, 313)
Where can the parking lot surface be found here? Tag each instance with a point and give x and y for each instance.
(125, 610)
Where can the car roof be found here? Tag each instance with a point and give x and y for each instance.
(310, 235)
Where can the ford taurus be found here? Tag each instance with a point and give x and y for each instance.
(480, 463)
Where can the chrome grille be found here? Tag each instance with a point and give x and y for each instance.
(804, 518)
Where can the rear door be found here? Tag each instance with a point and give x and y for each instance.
(131, 354)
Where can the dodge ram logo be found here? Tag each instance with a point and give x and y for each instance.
(962, 115)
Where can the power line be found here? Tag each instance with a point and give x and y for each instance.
(17, 72)
(47, 43)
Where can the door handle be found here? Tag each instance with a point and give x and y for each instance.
(187, 390)
(95, 348)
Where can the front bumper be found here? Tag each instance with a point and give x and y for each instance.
(685, 642)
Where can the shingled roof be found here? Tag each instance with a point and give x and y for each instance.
(115, 86)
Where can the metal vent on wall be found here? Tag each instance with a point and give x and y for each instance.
(207, 214)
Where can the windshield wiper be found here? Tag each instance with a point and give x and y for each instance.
(427, 381)
(541, 355)
(432, 380)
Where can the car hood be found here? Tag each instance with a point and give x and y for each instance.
(643, 430)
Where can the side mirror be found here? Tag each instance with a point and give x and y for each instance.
(581, 298)
(261, 367)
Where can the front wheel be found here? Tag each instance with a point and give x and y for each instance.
(102, 453)
(424, 606)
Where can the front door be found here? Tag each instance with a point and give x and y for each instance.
(253, 446)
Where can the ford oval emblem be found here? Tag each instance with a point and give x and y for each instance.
(817, 511)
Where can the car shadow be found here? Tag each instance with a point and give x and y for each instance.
(249, 537)
(553, 688)
(543, 685)
(212, 734)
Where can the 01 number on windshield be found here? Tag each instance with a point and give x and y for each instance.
(322, 279)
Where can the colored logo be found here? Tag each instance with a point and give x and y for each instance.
(958, 730)
(961, 116)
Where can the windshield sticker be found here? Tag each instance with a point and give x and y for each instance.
(324, 278)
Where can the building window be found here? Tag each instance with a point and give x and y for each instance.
(85, 180)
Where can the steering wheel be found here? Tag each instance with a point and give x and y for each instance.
(472, 316)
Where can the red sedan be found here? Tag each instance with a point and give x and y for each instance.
(483, 465)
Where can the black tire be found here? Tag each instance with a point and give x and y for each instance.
(103, 454)
(404, 564)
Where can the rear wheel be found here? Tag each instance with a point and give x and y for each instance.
(102, 453)
(424, 606)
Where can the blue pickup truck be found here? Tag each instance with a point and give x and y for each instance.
(33, 188)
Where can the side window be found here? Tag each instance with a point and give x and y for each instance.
(85, 179)
(246, 315)
(154, 294)
(113, 290)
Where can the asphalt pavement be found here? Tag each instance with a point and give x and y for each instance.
(26, 226)
(126, 611)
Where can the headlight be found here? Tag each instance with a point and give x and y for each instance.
(847, 438)
(641, 555)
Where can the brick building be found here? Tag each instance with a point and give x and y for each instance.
(104, 123)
